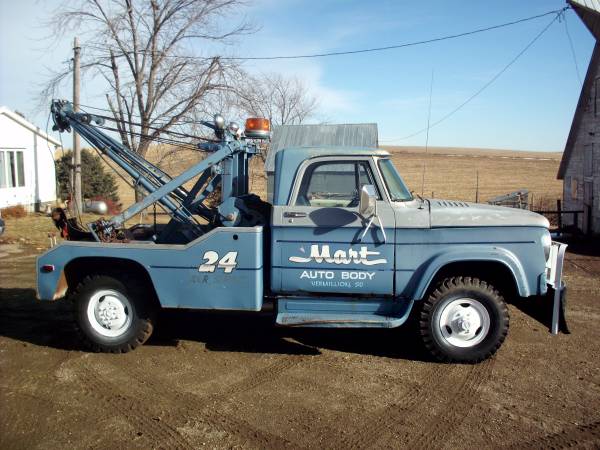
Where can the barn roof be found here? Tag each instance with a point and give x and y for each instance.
(26, 124)
(589, 12)
(341, 135)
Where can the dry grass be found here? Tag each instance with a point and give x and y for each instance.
(449, 172)
(13, 212)
(452, 173)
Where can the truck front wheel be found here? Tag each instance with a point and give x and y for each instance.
(112, 314)
(464, 320)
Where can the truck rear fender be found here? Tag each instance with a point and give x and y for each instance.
(501, 264)
(75, 270)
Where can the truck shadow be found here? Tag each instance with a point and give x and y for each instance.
(538, 308)
(252, 332)
(25, 319)
(50, 324)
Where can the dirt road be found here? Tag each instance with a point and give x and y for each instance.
(231, 381)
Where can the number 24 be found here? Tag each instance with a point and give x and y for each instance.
(227, 262)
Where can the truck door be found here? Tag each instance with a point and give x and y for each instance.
(316, 238)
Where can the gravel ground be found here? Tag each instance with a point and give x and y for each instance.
(235, 381)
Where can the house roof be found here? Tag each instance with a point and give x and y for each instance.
(26, 124)
(589, 12)
(341, 135)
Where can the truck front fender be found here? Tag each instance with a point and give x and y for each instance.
(428, 271)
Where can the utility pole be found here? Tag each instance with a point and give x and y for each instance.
(76, 200)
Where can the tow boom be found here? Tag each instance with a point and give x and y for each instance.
(226, 165)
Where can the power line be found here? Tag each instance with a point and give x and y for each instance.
(177, 122)
(484, 87)
(556, 12)
(564, 16)
(427, 135)
(150, 127)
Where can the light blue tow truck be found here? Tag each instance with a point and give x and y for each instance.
(342, 244)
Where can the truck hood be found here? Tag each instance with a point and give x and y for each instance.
(450, 213)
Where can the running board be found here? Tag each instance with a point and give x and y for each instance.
(342, 312)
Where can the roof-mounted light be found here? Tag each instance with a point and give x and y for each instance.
(257, 128)
(219, 122)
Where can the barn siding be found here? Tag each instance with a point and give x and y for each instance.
(581, 158)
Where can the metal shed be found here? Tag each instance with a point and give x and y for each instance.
(580, 165)
(339, 135)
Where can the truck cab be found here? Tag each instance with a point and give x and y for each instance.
(343, 243)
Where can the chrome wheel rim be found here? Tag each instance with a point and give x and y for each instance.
(464, 322)
(109, 313)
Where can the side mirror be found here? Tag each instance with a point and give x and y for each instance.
(368, 201)
(368, 210)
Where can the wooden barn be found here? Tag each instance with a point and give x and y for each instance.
(580, 165)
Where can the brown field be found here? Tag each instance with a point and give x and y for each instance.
(450, 173)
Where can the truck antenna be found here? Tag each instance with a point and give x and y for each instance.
(427, 134)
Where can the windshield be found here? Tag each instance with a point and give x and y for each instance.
(396, 187)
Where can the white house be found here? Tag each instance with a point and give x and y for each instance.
(27, 172)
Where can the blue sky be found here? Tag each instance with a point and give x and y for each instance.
(529, 107)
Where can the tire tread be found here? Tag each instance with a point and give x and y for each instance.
(446, 287)
(144, 311)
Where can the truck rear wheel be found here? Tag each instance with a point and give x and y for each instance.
(112, 314)
(464, 320)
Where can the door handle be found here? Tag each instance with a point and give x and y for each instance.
(294, 214)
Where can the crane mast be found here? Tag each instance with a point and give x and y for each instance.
(226, 166)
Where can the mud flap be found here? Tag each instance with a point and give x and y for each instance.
(560, 323)
(558, 289)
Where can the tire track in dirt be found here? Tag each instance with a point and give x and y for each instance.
(457, 405)
(412, 404)
(582, 266)
(574, 437)
(261, 376)
(161, 434)
(206, 408)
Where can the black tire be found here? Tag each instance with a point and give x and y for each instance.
(140, 311)
(444, 341)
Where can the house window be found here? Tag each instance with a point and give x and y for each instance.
(574, 188)
(12, 169)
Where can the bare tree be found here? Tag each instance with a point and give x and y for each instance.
(283, 100)
(142, 49)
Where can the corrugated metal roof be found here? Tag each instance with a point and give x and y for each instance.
(341, 135)
(589, 12)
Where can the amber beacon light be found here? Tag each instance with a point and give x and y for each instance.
(257, 128)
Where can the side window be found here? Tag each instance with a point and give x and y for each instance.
(333, 184)
(20, 170)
